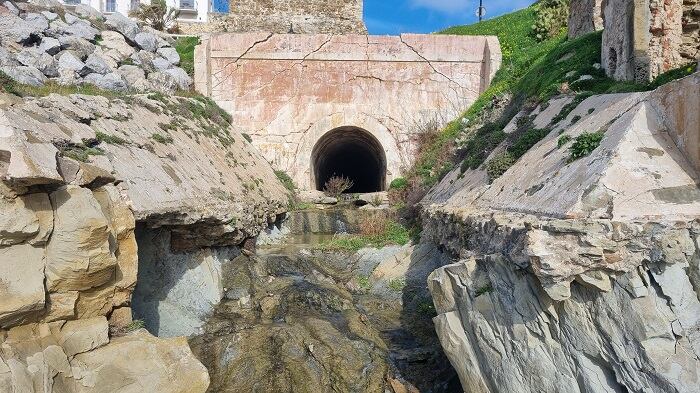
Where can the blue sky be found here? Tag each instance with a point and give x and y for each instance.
(427, 16)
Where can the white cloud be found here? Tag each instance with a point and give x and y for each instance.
(446, 6)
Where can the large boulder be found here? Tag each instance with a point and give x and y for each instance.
(25, 75)
(115, 46)
(80, 47)
(42, 61)
(183, 80)
(127, 27)
(15, 29)
(110, 81)
(37, 21)
(82, 29)
(169, 54)
(98, 64)
(147, 41)
(68, 61)
(163, 82)
(89, 12)
(50, 45)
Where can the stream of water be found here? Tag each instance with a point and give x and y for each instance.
(299, 319)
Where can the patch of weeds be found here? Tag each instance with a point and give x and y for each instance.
(135, 325)
(110, 139)
(672, 75)
(563, 140)
(480, 146)
(247, 137)
(397, 284)
(484, 290)
(363, 282)
(399, 183)
(79, 151)
(498, 165)
(286, 180)
(568, 108)
(185, 48)
(393, 234)
(584, 145)
(526, 141)
(575, 119)
(591, 110)
(162, 139)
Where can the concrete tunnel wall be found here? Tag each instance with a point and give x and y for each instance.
(289, 90)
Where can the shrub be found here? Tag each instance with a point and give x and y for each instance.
(584, 145)
(109, 139)
(158, 15)
(286, 180)
(525, 141)
(499, 165)
(374, 227)
(162, 139)
(185, 48)
(337, 185)
(397, 284)
(575, 119)
(563, 140)
(399, 183)
(247, 137)
(484, 290)
(551, 17)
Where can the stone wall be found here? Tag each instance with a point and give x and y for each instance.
(286, 16)
(582, 275)
(585, 16)
(645, 38)
(287, 91)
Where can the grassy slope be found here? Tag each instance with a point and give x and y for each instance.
(531, 71)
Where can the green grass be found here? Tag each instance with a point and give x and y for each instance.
(395, 234)
(162, 138)
(110, 139)
(397, 284)
(185, 48)
(488, 288)
(286, 180)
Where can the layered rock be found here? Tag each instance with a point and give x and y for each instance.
(84, 47)
(578, 274)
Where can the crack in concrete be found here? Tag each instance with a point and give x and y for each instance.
(428, 61)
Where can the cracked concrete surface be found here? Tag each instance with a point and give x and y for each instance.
(287, 91)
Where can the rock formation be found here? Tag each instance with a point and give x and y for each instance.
(66, 48)
(578, 275)
(585, 16)
(78, 173)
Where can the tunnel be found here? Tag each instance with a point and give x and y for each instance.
(353, 153)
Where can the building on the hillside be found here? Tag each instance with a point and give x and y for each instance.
(279, 16)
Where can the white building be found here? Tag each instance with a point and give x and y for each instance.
(190, 10)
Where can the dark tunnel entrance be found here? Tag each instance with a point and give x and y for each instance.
(351, 152)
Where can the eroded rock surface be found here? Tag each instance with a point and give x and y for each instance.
(577, 275)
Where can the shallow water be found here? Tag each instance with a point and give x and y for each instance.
(295, 320)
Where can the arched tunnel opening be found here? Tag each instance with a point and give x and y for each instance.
(353, 153)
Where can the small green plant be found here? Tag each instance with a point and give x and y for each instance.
(247, 137)
(526, 141)
(156, 14)
(498, 165)
(575, 119)
(584, 145)
(551, 18)
(397, 284)
(399, 183)
(135, 325)
(363, 282)
(563, 140)
(185, 48)
(162, 139)
(488, 288)
(79, 151)
(286, 180)
(110, 139)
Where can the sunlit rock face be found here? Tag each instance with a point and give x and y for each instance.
(581, 274)
(289, 91)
